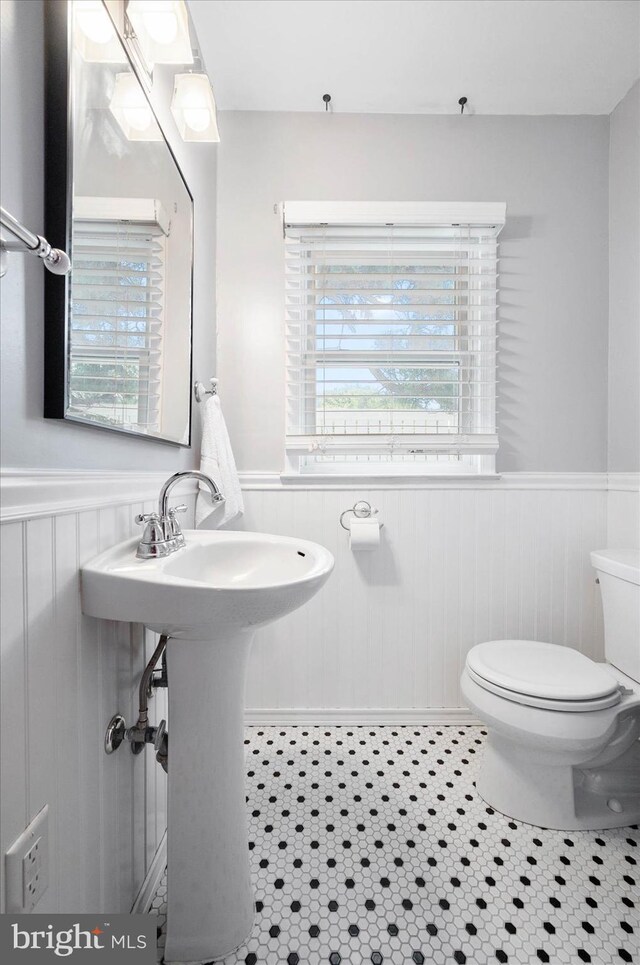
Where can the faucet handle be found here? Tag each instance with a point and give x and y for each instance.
(182, 508)
(142, 518)
(174, 530)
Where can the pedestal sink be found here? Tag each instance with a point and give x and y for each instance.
(208, 598)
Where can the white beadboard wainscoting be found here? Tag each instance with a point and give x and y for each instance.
(63, 675)
(459, 562)
(623, 509)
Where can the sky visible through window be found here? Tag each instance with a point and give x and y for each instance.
(378, 354)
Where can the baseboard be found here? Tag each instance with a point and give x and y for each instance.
(150, 885)
(401, 716)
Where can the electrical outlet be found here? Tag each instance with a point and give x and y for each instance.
(27, 865)
(32, 879)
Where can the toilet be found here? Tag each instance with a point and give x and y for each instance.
(563, 747)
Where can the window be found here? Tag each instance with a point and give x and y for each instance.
(116, 335)
(391, 337)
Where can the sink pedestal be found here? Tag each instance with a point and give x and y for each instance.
(210, 905)
(208, 597)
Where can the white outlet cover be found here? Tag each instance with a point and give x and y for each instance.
(27, 865)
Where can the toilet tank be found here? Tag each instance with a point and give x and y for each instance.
(619, 575)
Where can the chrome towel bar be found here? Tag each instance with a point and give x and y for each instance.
(56, 260)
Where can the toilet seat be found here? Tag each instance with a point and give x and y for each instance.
(547, 703)
(542, 675)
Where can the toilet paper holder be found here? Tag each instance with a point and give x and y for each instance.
(361, 510)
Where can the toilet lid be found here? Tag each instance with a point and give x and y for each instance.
(538, 669)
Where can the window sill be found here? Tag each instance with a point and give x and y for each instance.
(466, 480)
(294, 482)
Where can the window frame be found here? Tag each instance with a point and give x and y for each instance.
(475, 407)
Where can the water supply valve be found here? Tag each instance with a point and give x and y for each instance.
(161, 744)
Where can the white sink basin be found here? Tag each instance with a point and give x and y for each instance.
(218, 580)
(207, 597)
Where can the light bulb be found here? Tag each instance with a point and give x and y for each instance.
(194, 108)
(94, 21)
(138, 118)
(131, 109)
(135, 109)
(162, 26)
(162, 30)
(197, 118)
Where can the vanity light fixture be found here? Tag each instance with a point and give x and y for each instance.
(194, 108)
(96, 36)
(162, 31)
(131, 109)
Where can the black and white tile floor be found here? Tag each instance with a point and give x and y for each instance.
(371, 845)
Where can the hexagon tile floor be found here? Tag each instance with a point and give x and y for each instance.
(370, 844)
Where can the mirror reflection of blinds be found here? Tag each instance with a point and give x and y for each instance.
(115, 344)
(391, 338)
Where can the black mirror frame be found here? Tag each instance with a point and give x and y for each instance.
(58, 213)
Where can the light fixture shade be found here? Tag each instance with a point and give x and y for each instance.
(194, 108)
(131, 109)
(162, 30)
(95, 35)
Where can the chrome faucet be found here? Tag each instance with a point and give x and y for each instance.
(162, 534)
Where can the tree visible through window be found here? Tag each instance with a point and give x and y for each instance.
(370, 384)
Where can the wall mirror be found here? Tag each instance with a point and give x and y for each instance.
(118, 327)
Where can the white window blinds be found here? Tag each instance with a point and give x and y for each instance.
(391, 333)
(115, 345)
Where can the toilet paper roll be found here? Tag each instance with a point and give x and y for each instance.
(364, 534)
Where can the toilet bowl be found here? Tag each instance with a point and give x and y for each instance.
(563, 748)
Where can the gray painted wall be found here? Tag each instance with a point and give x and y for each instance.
(551, 171)
(624, 285)
(28, 440)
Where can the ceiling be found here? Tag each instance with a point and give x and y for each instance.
(420, 56)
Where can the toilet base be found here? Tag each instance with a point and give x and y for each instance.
(560, 796)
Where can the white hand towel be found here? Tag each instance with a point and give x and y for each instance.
(217, 461)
